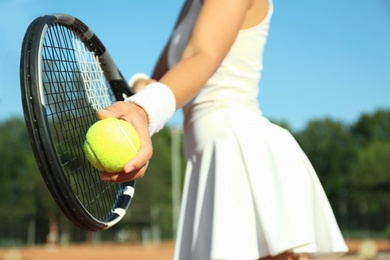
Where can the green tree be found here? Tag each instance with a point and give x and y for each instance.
(25, 198)
(18, 169)
(332, 150)
(375, 126)
(370, 176)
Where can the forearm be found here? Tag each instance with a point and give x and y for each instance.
(209, 43)
(160, 99)
(188, 76)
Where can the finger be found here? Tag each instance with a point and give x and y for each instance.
(122, 177)
(138, 161)
(105, 113)
(117, 109)
(146, 150)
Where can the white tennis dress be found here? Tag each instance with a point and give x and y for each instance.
(249, 191)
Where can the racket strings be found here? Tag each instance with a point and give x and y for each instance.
(93, 76)
(57, 79)
(74, 88)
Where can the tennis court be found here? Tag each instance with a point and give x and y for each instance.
(91, 252)
(117, 251)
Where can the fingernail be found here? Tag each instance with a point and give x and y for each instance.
(129, 168)
(105, 178)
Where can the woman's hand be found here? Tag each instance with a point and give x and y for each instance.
(136, 116)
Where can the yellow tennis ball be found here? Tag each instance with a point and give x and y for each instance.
(111, 143)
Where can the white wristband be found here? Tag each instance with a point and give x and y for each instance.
(159, 103)
(136, 77)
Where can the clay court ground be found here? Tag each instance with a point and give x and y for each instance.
(164, 251)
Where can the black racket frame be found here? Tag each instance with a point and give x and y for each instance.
(38, 125)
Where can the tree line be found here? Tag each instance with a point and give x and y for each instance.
(351, 160)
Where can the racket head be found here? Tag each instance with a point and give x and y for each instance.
(66, 75)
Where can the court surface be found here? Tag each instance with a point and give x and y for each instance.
(118, 251)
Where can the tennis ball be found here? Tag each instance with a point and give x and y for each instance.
(111, 143)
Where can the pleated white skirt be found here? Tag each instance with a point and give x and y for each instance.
(250, 191)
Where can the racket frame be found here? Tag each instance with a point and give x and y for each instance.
(38, 126)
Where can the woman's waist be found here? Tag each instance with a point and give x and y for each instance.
(196, 109)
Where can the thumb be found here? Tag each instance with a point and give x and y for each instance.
(104, 113)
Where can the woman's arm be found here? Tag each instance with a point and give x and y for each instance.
(213, 34)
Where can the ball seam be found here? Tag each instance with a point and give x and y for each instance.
(126, 136)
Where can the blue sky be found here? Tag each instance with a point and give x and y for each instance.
(324, 58)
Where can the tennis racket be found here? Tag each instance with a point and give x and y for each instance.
(66, 75)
